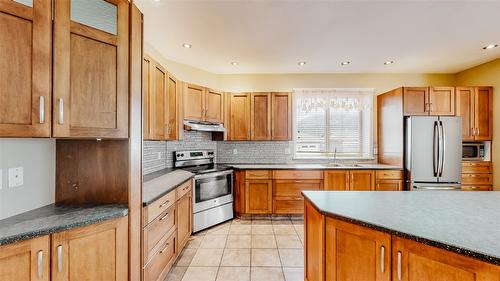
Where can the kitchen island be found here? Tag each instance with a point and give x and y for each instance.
(411, 236)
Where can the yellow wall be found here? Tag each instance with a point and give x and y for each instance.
(487, 74)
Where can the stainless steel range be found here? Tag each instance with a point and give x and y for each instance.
(212, 187)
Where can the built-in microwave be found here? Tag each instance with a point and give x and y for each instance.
(473, 151)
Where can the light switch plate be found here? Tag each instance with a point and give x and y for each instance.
(16, 176)
(235, 151)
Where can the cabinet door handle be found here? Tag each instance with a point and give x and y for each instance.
(478, 132)
(164, 217)
(61, 111)
(162, 251)
(164, 204)
(40, 264)
(59, 258)
(399, 265)
(42, 109)
(382, 259)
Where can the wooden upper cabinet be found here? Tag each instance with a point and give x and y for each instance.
(171, 108)
(146, 97)
(465, 108)
(354, 252)
(336, 179)
(194, 102)
(442, 101)
(158, 102)
(281, 116)
(413, 261)
(483, 113)
(90, 90)
(214, 106)
(258, 196)
(25, 69)
(475, 105)
(260, 116)
(362, 180)
(415, 101)
(239, 108)
(95, 252)
(26, 261)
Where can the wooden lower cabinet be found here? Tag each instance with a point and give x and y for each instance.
(354, 252)
(162, 260)
(349, 180)
(389, 185)
(26, 261)
(477, 176)
(362, 180)
(413, 261)
(184, 219)
(314, 244)
(95, 252)
(258, 196)
(337, 180)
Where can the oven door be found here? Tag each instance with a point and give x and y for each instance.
(212, 190)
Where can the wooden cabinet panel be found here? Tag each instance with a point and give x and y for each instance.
(25, 69)
(483, 117)
(362, 180)
(389, 185)
(258, 196)
(354, 252)
(288, 206)
(293, 188)
(297, 174)
(442, 101)
(214, 106)
(184, 188)
(465, 108)
(184, 219)
(477, 179)
(477, 187)
(162, 260)
(157, 229)
(281, 121)
(389, 174)
(171, 108)
(26, 261)
(147, 66)
(314, 244)
(415, 101)
(194, 102)
(96, 252)
(90, 76)
(159, 101)
(471, 167)
(258, 174)
(240, 116)
(420, 262)
(336, 180)
(159, 206)
(260, 116)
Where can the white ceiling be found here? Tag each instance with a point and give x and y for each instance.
(272, 36)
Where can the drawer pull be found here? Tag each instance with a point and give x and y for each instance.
(164, 217)
(42, 110)
(399, 265)
(164, 204)
(162, 251)
(382, 259)
(59, 258)
(40, 264)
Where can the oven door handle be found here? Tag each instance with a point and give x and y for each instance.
(213, 175)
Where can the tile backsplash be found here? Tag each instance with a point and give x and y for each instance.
(254, 152)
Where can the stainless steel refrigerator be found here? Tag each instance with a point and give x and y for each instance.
(433, 152)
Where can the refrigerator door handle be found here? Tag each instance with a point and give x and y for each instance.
(442, 149)
(435, 150)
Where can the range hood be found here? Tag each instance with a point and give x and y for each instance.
(203, 126)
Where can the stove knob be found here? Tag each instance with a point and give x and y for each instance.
(178, 155)
(182, 155)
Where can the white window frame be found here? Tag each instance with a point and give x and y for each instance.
(329, 155)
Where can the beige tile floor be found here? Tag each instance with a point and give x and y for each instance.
(244, 250)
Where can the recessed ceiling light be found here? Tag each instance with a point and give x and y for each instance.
(301, 63)
(156, 0)
(235, 63)
(187, 46)
(345, 63)
(389, 62)
(491, 46)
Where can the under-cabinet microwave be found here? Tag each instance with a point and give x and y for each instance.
(473, 151)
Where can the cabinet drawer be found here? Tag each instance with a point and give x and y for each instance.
(297, 175)
(184, 188)
(477, 179)
(257, 174)
(157, 229)
(292, 188)
(477, 168)
(389, 174)
(389, 185)
(162, 260)
(288, 206)
(159, 206)
(477, 187)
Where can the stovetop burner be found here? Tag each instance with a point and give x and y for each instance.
(204, 169)
(198, 161)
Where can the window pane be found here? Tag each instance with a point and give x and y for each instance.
(28, 3)
(311, 126)
(98, 14)
(345, 132)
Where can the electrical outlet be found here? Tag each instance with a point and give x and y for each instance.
(158, 155)
(16, 176)
(235, 151)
